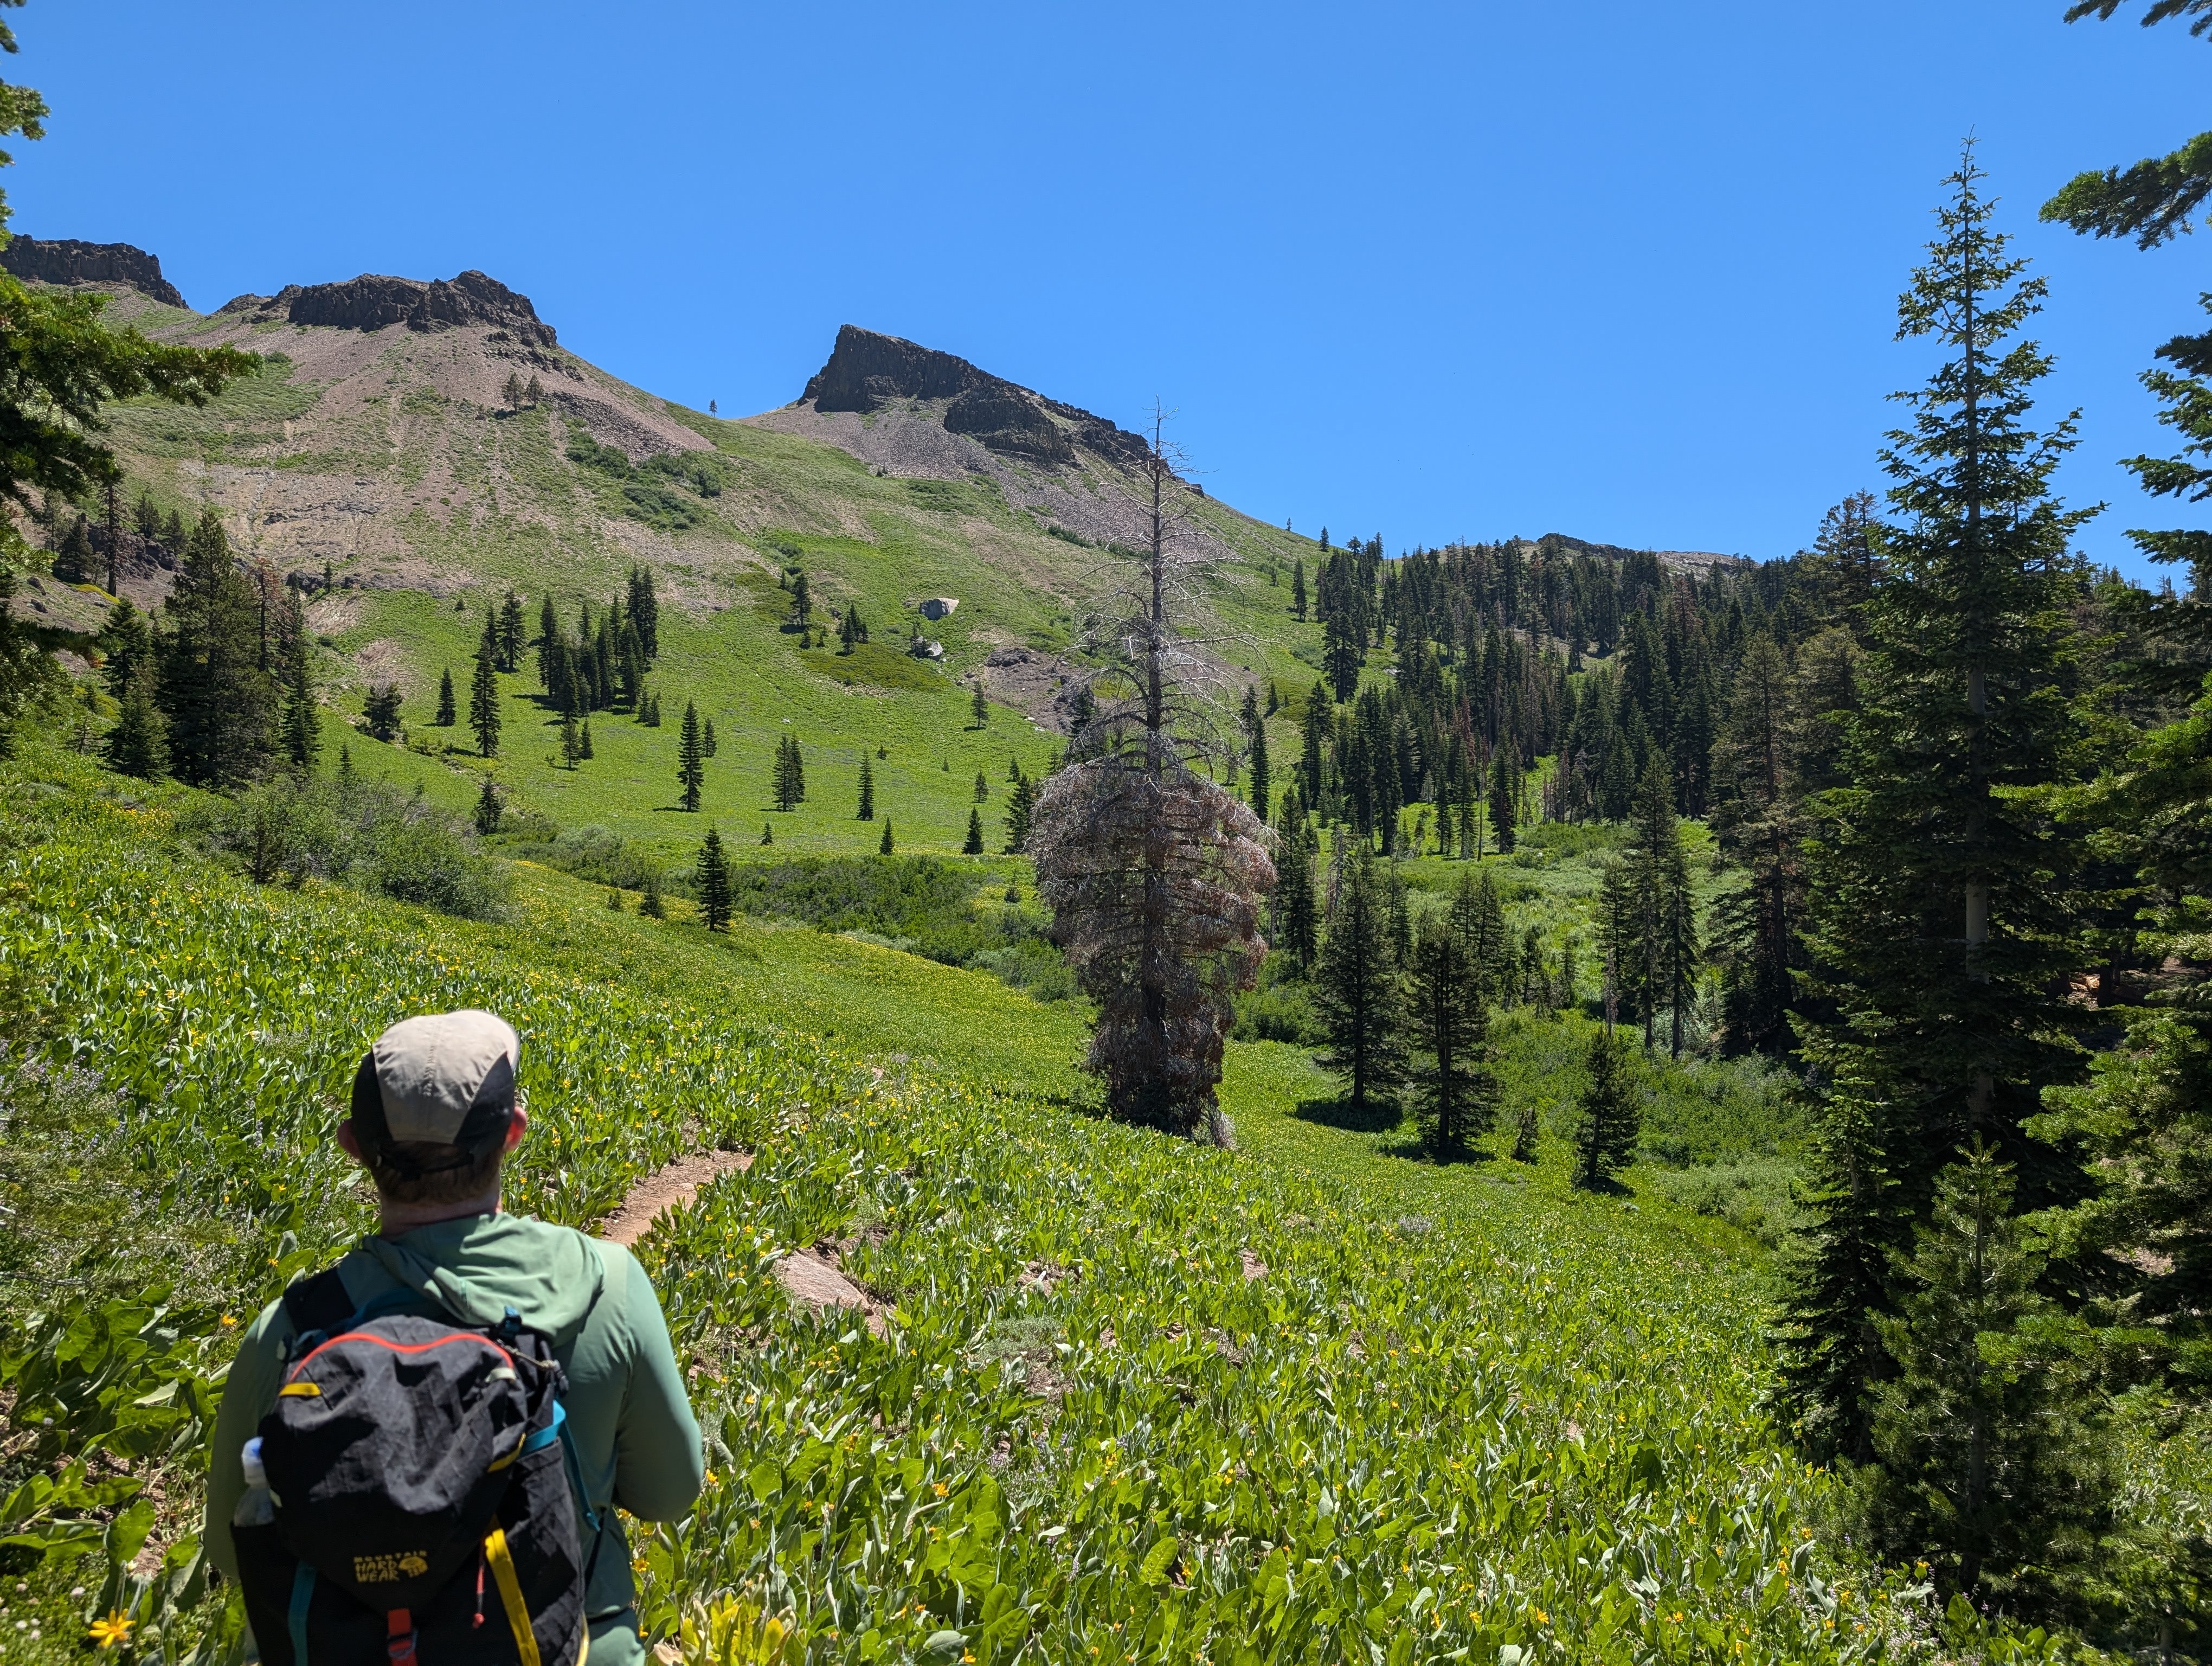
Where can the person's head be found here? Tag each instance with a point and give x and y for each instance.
(435, 1109)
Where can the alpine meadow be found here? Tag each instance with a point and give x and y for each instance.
(1187, 1092)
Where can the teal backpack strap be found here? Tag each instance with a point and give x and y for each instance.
(303, 1593)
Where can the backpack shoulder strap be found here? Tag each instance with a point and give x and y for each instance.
(319, 1303)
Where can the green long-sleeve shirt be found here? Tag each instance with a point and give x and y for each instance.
(636, 1439)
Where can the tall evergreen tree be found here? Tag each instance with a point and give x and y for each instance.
(1757, 825)
(1298, 919)
(973, 844)
(1256, 726)
(484, 692)
(511, 634)
(1504, 795)
(711, 877)
(866, 812)
(1298, 587)
(219, 701)
(73, 561)
(488, 810)
(1021, 807)
(1611, 1117)
(1457, 1091)
(644, 612)
(1356, 987)
(448, 713)
(979, 706)
(549, 647)
(302, 723)
(690, 759)
(138, 745)
(1664, 944)
(884, 847)
(1942, 925)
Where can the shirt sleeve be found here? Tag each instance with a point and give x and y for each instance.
(658, 1460)
(248, 1393)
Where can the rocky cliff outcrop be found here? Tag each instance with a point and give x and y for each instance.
(372, 302)
(65, 261)
(868, 371)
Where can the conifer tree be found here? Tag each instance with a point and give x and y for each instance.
(380, 710)
(983, 788)
(1255, 727)
(1524, 1133)
(1504, 794)
(973, 844)
(884, 845)
(1611, 1118)
(511, 634)
(73, 562)
(1477, 918)
(483, 693)
(584, 740)
(787, 779)
(1757, 825)
(978, 707)
(1457, 1090)
(1297, 920)
(534, 392)
(768, 834)
(344, 778)
(1665, 907)
(146, 517)
(138, 745)
(690, 759)
(572, 740)
(707, 738)
(447, 715)
(548, 646)
(1298, 587)
(1942, 922)
(488, 811)
(711, 878)
(1356, 987)
(219, 701)
(1021, 807)
(649, 904)
(644, 612)
(1982, 1462)
(513, 391)
(303, 713)
(867, 810)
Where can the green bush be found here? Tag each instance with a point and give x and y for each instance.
(593, 853)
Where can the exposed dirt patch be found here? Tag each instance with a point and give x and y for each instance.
(671, 1188)
(1253, 1267)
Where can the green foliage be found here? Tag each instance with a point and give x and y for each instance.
(1356, 986)
(1610, 1118)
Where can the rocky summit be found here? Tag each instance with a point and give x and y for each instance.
(372, 301)
(66, 261)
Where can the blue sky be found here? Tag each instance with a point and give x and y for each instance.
(1616, 270)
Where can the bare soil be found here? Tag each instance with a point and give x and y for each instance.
(671, 1188)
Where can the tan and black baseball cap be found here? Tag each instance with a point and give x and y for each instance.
(446, 1079)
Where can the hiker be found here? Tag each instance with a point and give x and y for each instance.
(434, 1111)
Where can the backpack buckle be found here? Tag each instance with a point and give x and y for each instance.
(399, 1635)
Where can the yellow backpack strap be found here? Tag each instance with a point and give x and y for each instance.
(510, 1595)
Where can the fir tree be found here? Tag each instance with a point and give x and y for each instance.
(867, 810)
(511, 634)
(1611, 1117)
(1665, 942)
(1504, 794)
(302, 723)
(512, 392)
(649, 904)
(584, 740)
(644, 612)
(345, 775)
(488, 811)
(172, 530)
(380, 710)
(883, 844)
(979, 706)
(447, 716)
(1941, 927)
(768, 834)
(973, 844)
(1256, 726)
(219, 701)
(690, 759)
(789, 778)
(483, 693)
(73, 562)
(1021, 806)
(1984, 1463)
(1356, 986)
(711, 878)
(138, 745)
(1757, 825)
(983, 788)
(1297, 919)
(534, 392)
(146, 517)
(707, 738)
(1298, 587)
(1457, 1091)
(802, 602)
(548, 646)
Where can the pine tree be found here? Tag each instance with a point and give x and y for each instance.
(973, 844)
(1757, 822)
(146, 517)
(789, 777)
(644, 612)
(768, 834)
(172, 530)
(1298, 587)
(1356, 986)
(867, 810)
(1504, 794)
(712, 881)
(584, 740)
(219, 701)
(513, 391)
(979, 706)
(1297, 919)
(706, 738)
(572, 740)
(138, 745)
(1941, 927)
(534, 392)
(690, 759)
(1255, 727)
(511, 634)
(1665, 941)
(548, 646)
(380, 709)
(302, 721)
(488, 810)
(73, 562)
(344, 778)
(1524, 1133)
(483, 693)
(447, 716)
(1458, 1091)
(650, 904)
(983, 788)
(1611, 1119)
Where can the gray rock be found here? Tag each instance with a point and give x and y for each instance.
(65, 261)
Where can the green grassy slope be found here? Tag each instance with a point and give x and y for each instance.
(1512, 1417)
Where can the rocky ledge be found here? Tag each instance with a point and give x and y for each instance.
(866, 371)
(65, 261)
(371, 302)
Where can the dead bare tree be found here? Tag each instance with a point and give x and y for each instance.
(1154, 873)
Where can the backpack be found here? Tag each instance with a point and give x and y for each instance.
(426, 1494)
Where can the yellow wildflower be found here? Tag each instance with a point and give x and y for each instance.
(115, 1629)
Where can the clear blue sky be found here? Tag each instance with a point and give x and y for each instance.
(1619, 270)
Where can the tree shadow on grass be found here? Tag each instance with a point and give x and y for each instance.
(1378, 1116)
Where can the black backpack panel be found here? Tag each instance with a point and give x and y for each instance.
(425, 1509)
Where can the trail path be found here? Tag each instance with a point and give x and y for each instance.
(671, 1188)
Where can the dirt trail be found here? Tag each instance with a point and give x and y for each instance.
(671, 1188)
